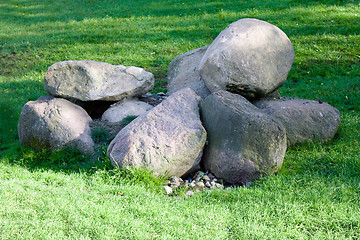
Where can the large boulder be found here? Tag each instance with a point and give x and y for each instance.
(125, 108)
(244, 143)
(304, 120)
(167, 139)
(250, 57)
(183, 71)
(54, 123)
(89, 81)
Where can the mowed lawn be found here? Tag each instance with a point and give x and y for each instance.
(63, 195)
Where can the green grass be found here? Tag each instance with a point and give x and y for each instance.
(63, 195)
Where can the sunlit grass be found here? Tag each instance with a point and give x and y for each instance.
(62, 195)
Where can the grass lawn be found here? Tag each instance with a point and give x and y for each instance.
(63, 195)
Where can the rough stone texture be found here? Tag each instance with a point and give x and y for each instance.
(183, 71)
(167, 139)
(89, 80)
(304, 120)
(244, 142)
(54, 123)
(125, 108)
(250, 57)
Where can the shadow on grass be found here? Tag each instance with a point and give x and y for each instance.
(98, 166)
(19, 11)
(66, 160)
(336, 158)
(55, 29)
(51, 31)
(12, 99)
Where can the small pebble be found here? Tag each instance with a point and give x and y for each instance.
(218, 185)
(175, 185)
(198, 174)
(206, 178)
(189, 193)
(146, 95)
(168, 190)
(198, 179)
(175, 182)
(174, 179)
(151, 98)
(200, 185)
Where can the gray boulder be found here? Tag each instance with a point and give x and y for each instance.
(244, 142)
(89, 81)
(167, 139)
(304, 120)
(183, 71)
(250, 57)
(54, 123)
(127, 107)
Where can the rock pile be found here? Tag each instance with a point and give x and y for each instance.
(59, 120)
(199, 181)
(222, 112)
(249, 125)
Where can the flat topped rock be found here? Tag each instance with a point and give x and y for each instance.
(89, 81)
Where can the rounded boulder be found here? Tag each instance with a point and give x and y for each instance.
(250, 57)
(244, 143)
(54, 123)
